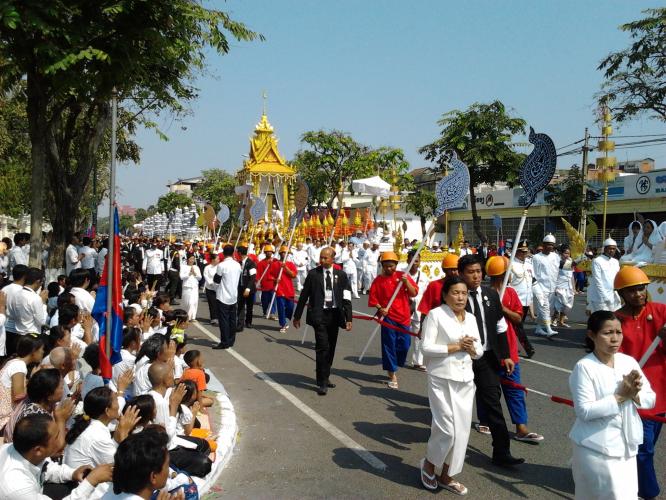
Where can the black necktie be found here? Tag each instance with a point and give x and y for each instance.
(477, 314)
(329, 286)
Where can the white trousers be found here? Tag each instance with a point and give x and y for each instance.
(351, 274)
(543, 302)
(417, 346)
(369, 276)
(451, 407)
(300, 278)
(359, 278)
(191, 302)
(600, 477)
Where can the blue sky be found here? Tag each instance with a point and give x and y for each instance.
(385, 71)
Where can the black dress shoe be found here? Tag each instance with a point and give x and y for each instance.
(330, 384)
(248, 325)
(322, 390)
(507, 460)
(220, 346)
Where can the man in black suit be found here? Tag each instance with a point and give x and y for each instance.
(484, 303)
(246, 288)
(328, 293)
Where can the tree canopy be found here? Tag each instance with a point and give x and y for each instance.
(635, 76)
(567, 196)
(171, 201)
(217, 187)
(481, 136)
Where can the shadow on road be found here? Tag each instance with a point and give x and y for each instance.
(293, 379)
(394, 434)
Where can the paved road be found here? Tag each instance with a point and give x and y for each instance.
(364, 439)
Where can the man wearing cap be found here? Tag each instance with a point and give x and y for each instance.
(395, 342)
(601, 295)
(370, 262)
(246, 288)
(284, 271)
(546, 269)
(521, 278)
(266, 281)
(227, 276)
(642, 322)
(327, 292)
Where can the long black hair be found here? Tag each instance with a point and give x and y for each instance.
(152, 347)
(94, 406)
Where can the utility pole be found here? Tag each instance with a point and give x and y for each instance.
(583, 215)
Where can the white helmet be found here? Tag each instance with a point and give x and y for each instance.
(609, 242)
(549, 238)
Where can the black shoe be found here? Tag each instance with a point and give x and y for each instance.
(220, 346)
(322, 390)
(529, 354)
(248, 325)
(507, 460)
(330, 384)
(240, 329)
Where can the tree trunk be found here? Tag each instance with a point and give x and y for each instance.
(476, 220)
(423, 225)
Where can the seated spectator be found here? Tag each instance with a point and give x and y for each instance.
(52, 301)
(64, 360)
(141, 466)
(156, 348)
(28, 473)
(145, 406)
(130, 346)
(14, 375)
(64, 298)
(150, 324)
(89, 441)
(195, 372)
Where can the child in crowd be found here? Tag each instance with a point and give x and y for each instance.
(195, 372)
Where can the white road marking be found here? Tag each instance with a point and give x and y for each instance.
(346, 441)
(541, 363)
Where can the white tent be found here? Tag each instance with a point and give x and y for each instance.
(375, 186)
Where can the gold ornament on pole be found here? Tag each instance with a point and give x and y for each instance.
(606, 164)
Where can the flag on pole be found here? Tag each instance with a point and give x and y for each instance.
(109, 358)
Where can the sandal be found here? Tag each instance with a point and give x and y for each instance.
(454, 487)
(428, 481)
(530, 437)
(392, 385)
(482, 429)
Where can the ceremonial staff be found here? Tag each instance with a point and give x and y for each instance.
(450, 192)
(535, 174)
(222, 217)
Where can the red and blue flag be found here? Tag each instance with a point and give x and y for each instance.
(110, 343)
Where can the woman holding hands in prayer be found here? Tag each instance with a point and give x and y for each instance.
(450, 341)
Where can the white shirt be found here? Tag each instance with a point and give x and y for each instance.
(126, 363)
(93, 447)
(301, 259)
(601, 289)
(184, 418)
(441, 328)
(370, 259)
(21, 479)
(89, 259)
(546, 269)
(83, 299)
(313, 254)
(521, 281)
(601, 423)
(142, 384)
(11, 291)
(152, 262)
(162, 415)
(179, 366)
(208, 275)
(16, 256)
(349, 259)
(190, 280)
(227, 290)
(465, 251)
(29, 312)
(72, 259)
(101, 255)
(12, 367)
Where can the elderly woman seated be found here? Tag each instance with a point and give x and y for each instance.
(644, 243)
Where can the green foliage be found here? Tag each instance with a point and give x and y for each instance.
(635, 76)
(171, 201)
(482, 138)
(567, 196)
(536, 234)
(142, 213)
(14, 153)
(217, 187)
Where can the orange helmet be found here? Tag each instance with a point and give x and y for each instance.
(269, 248)
(283, 249)
(389, 256)
(496, 265)
(630, 276)
(450, 261)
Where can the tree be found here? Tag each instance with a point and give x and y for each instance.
(217, 187)
(567, 196)
(481, 137)
(171, 201)
(423, 204)
(635, 76)
(72, 55)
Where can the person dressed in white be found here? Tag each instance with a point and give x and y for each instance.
(659, 250)
(73, 256)
(522, 275)
(191, 275)
(642, 252)
(301, 260)
(546, 267)
(101, 257)
(210, 286)
(89, 254)
(450, 342)
(632, 240)
(601, 295)
(359, 264)
(227, 277)
(29, 307)
(349, 258)
(465, 249)
(16, 254)
(564, 288)
(421, 281)
(607, 388)
(313, 254)
(370, 260)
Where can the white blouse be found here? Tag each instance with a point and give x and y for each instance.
(601, 423)
(190, 280)
(93, 447)
(440, 328)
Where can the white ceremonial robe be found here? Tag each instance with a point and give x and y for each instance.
(606, 435)
(301, 259)
(564, 288)
(349, 260)
(450, 386)
(601, 295)
(191, 275)
(370, 262)
(546, 270)
(421, 281)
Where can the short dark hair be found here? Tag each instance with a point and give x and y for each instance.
(152, 347)
(66, 298)
(228, 251)
(56, 333)
(91, 356)
(128, 314)
(131, 334)
(32, 430)
(34, 275)
(67, 313)
(469, 260)
(43, 384)
(191, 356)
(161, 298)
(136, 458)
(19, 271)
(78, 277)
(449, 282)
(86, 241)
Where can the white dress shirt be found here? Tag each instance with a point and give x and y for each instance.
(313, 254)
(83, 299)
(546, 269)
(93, 447)
(209, 274)
(142, 384)
(300, 258)
(190, 280)
(89, 257)
(601, 423)
(227, 290)
(349, 260)
(601, 289)
(99, 264)
(441, 328)
(16, 256)
(29, 312)
(21, 480)
(152, 262)
(163, 417)
(72, 259)
(522, 275)
(11, 292)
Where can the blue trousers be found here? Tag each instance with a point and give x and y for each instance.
(285, 309)
(266, 300)
(395, 346)
(515, 399)
(648, 486)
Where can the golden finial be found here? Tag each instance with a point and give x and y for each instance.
(264, 96)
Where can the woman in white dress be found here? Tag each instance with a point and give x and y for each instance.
(647, 239)
(607, 388)
(564, 288)
(659, 250)
(450, 340)
(633, 238)
(191, 275)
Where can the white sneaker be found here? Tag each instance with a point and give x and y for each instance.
(540, 332)
(550, 332)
